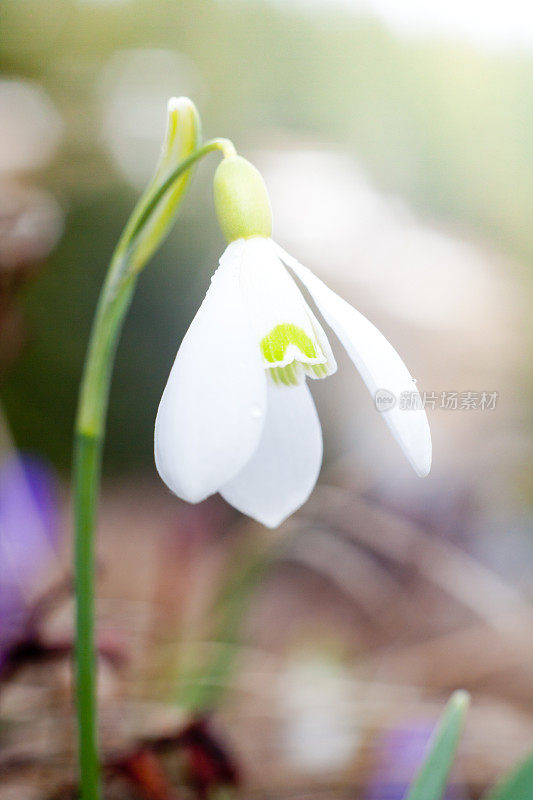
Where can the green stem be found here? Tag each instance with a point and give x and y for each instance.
(113, 304)
(87, 471)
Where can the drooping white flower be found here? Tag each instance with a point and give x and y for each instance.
(236, 414)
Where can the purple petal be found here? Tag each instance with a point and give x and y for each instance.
(28, 538)
(399, 753)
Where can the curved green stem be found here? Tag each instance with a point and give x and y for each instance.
(113, 304)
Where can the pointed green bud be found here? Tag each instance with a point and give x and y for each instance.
(182, 138)
(241, 200)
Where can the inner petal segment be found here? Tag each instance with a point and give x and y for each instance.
(290, 354)
(291, 339)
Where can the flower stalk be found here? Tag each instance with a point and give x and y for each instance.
(148, 224)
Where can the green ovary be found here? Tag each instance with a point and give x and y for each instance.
(274, 348)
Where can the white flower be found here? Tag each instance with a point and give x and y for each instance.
(237, 415)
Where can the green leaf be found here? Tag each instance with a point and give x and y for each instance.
(430, 781)
(516, 785)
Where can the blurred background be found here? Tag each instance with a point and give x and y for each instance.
(396, 139)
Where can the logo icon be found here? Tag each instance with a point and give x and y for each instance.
(384, 400)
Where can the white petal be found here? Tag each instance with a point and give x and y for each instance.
(283, 471)
(378, 362)
(213, 408)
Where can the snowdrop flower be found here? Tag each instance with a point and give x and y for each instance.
(236, 415)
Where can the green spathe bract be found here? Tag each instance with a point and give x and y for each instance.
(241, 200)
(182, 138)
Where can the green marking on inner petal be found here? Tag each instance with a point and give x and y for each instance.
(319, 370)
(286, 376)
(274, 345)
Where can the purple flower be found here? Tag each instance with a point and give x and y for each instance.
(399, 753)
(28, 542)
